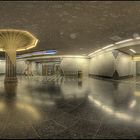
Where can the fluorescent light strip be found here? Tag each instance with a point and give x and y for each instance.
(137, 38)
(39, 53)
(132, 50)
(95, 52)
(111, 45)
(98, 51)
(101, 49)
(108, 46)
(123, 41)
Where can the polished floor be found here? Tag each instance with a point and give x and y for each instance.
(66, 107)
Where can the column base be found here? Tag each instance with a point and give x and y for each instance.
(10, 80)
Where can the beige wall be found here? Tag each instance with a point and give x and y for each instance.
(124, 64)
(2, 66)
(138, 67)
(105, 64)
(20, 67)
(73, 65)
(102, 64)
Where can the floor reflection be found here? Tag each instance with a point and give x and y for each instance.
(58, 108)
(10, 89)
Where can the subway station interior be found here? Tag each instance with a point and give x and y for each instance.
(69, 69)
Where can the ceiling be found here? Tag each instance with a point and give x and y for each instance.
(72, 27)
(126, 50)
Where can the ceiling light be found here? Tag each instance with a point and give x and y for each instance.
(50, 52)
(91, 54)
(95, 52)
(107, 46)
(133, 103)
(137, 38)
(123, 41)
(38, 53)
(132, 50)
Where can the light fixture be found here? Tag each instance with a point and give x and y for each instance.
(49, 52)
(32, 46)
(95, 52)
(137, 38)
(108, 46)
(115, 38)
(123, 41)
(132, 50)
(133, 103)
(111, 45)
(98, 51)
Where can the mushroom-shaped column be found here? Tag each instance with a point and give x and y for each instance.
(12, 40)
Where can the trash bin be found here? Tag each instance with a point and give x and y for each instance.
(80, 74)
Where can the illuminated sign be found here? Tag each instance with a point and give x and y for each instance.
(48, 52)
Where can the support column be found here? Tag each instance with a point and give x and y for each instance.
(10, 75)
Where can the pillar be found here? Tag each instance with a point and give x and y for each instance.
(10, 74)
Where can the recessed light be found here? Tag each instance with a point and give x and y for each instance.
(73, 35)
(115, 38)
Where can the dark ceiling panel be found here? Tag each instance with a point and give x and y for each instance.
(70, 26)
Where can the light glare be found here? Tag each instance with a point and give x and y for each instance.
(132, 50)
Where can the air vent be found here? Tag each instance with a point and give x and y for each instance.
(115, 38)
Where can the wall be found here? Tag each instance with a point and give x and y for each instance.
(38, 68)
(73, 65)
(2, 66)
(34, 67)
(102, 65)
(112, 63)
(105, 64)
(138, 68)
(124, 64)
(20, 66)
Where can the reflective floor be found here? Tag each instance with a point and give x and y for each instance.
(60, 107)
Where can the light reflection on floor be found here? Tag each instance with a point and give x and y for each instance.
(64, 107)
